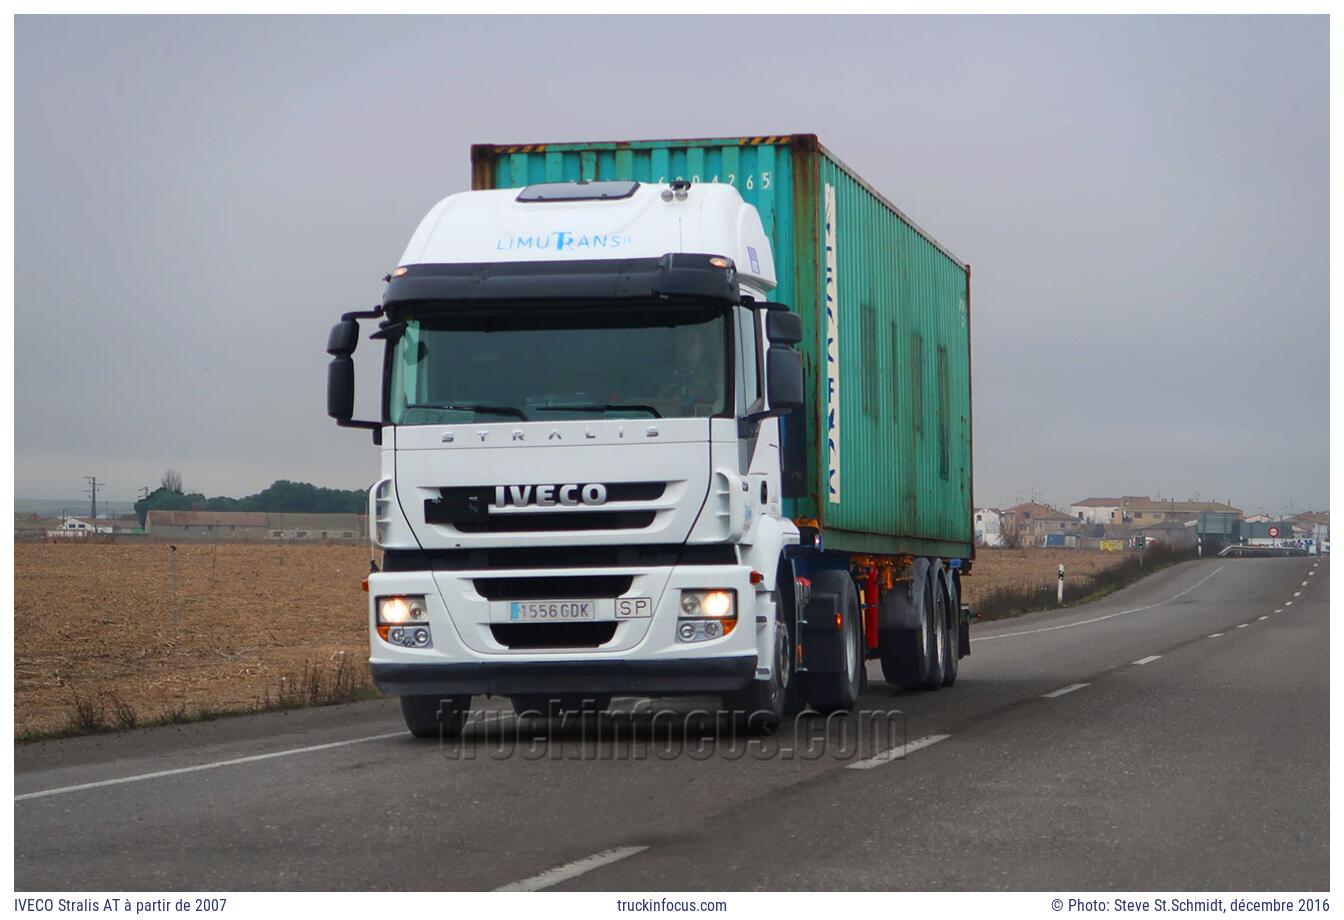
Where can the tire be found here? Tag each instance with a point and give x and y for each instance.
(952, 604)
(937, 636)
(435, 716)
(560, 704)
(760, 706)
(839, 691)
(904, 653)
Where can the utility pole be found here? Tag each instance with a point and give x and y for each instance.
(92, 491)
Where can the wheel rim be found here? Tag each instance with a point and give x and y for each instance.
(782, 657)
(849, 651)
(941, 637)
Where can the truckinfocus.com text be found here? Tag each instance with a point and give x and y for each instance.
(647, 733)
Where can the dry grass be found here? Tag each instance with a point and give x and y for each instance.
(260, 626)
(1034, 569)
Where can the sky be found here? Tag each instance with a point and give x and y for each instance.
(1143, 202)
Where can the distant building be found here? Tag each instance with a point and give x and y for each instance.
(1104, 510)
(989, 526)
(75, 528)
(1146, 513)
(1047, 529)
(249, 526)
(1016, 521)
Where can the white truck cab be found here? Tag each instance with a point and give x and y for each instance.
(580, 488)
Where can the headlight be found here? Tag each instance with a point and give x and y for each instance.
(398, 611)
(716, 603)
(404, 620)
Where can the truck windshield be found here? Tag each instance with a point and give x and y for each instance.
(548, 364)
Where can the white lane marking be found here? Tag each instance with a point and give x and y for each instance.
(1304, 584)
(1297, 594)
(1216, 635)
(1147, 660)
(898, 753)
(204, 766)
(1309, 574)
(1278, 610)
(1242, 625)
(571, 870)
(1265, 617)
(1287, 603)
(1053, 694)
(1028, 632)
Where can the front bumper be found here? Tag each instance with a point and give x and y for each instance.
(644, 657)
(635, 678)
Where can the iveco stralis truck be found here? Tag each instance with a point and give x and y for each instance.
(665, 418)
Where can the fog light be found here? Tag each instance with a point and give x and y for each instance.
(711, 629)
(421, 636)
(686, 631)
(397, 635)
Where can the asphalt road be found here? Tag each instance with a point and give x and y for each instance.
(1172, 737)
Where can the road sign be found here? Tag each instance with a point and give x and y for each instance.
(1273, 531)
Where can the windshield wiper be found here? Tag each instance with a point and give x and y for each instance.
(600, 407)
(471, 407)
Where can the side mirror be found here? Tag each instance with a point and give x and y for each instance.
(784, 378)
(343, 338)
(341, 388)
(783, 328)
(341, 378)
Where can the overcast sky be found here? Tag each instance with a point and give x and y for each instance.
(1143, 201)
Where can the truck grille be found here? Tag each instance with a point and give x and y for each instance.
(468, 510)
(580, 587)
(553, 635)
(558, 520)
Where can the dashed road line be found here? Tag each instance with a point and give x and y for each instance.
(1216, 635)
(1265, 617)
(1278, 610)
(205, 766)
(1304, 584)
(898, 753)
(1147, 660)
(1055, 694)
(573, 869)
(1287, 603)
(1028, 632)
(1242, 625)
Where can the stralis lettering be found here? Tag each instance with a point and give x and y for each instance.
(593, 493)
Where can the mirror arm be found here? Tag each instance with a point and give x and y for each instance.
(363, 314)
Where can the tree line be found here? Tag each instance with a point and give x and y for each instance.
(280, 497)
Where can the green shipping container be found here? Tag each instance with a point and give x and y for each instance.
(890, 471)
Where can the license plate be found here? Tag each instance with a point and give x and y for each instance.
(552, 611)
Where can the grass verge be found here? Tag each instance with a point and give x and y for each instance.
(104, 711)
(1015, 600)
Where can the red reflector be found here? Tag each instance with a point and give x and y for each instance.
(839, 621)
(365, 585)
(757, 578)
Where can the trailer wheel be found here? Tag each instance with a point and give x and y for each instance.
(434, 716)
(904, 653)
(952, 611)
(839, 690)
(937, 636)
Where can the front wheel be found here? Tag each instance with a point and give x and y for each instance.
(761, 705)
(435, 716)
